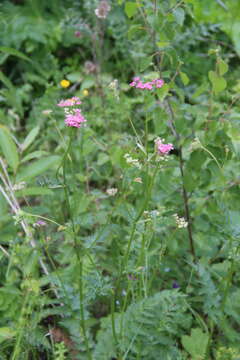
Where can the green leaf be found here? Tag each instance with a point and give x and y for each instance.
(222, 67)
(218, 82)
(9, 148)
(6, 333)
(145, 63)
(34, 155)
(184, 78)
(131, 8)
(33, 191)
(30, 137)
(14, 52)
(179, 15)
(196, 344)
(163, 44)
(163, 91)
(37, 167)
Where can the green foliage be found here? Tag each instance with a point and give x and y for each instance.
(97, 228)
(196, 344)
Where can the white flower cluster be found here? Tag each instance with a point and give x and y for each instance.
(180, 221)
(19, 186)
(112, 191)
(132, 161)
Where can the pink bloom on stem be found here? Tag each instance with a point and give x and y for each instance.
(138, 84)
(73, 115)
(69, 102)
(163, 149)
(75, 118)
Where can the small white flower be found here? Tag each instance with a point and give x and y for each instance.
(180, 221)
(112, 191)
(19, 186)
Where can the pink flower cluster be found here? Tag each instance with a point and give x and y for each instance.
(163, 149)
(70, 102)
(138, 84)
(73, 116)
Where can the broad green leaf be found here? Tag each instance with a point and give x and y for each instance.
(201, 89)
(6, 333)
(196, 344)
(34, 155)
(218, 82)
(14, 52)
(9, 148)
(179, 15)
(30, 138)
(33, 191)
(222, 67)
(163, 44)
(184, 78)
(145, 63)
(163, 91)
(75, 76)
(37, 167)
(10, 95)
(131, 8)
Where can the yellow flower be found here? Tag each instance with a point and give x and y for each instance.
(65, 83)
(85, 92)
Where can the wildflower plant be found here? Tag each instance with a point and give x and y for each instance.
(119, 203)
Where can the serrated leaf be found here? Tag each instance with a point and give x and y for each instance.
(218, 82)
(37, 167)
(30, 138)
(196, 344)
(131, 8)
(9, 148)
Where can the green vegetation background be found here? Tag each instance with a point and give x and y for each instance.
(87, 275)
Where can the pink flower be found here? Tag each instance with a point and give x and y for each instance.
(78, 34)
(75, 118)
(138, 84)
(73, 115)
(163, 149)
(69, 102)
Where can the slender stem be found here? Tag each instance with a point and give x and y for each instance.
(186, 207)
(77, 248)
(184, 192)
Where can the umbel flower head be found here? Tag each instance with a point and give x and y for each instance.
(163, 149)
(149, 85)
(73, 114)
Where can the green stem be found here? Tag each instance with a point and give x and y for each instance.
(77, 248)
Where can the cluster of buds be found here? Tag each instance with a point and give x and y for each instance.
(180, 221)
(111, 191)
(132, 161)
(149, 85)
(19, 186)
(74, 117)
(103, 9)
